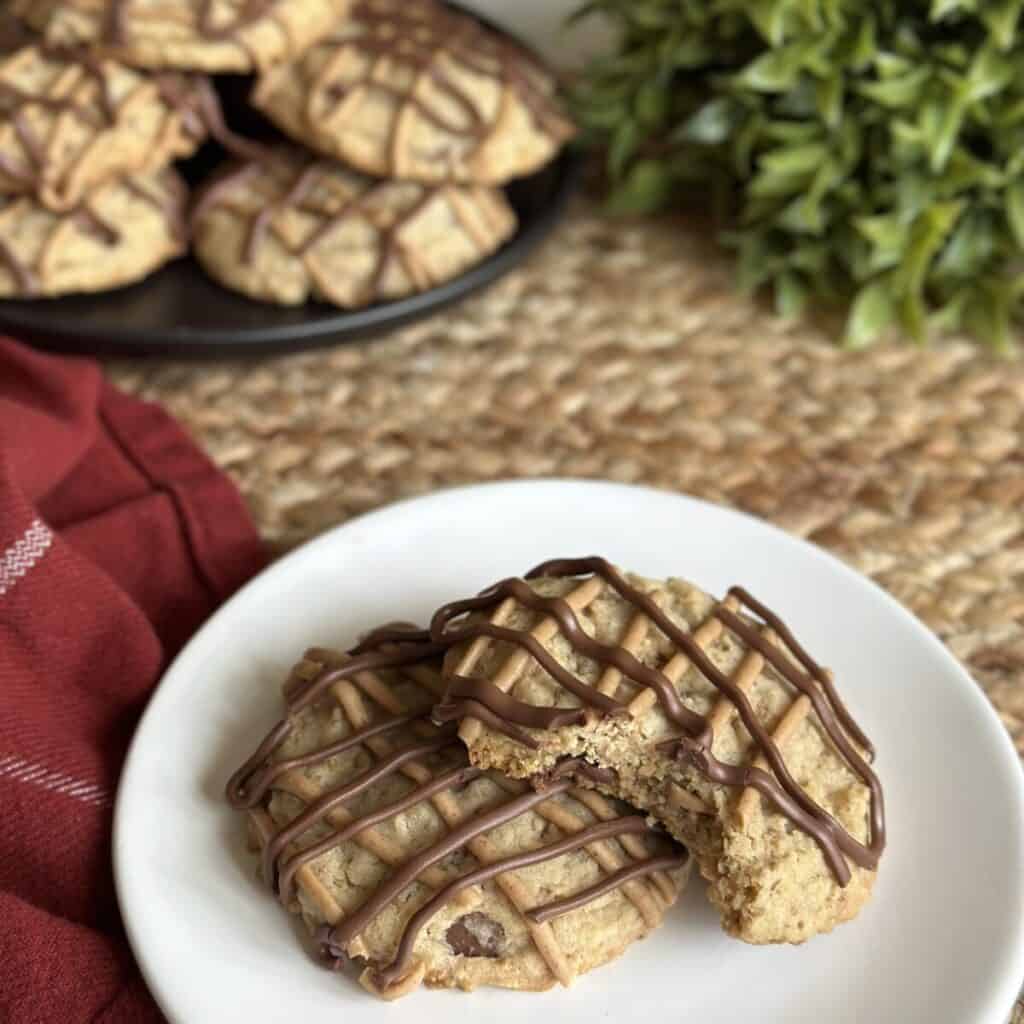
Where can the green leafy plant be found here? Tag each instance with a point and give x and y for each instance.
(869, 151)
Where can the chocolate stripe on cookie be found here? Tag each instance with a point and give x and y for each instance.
(62, 80)
(602, 830)
(453, 779)
(694, 745)
(428, 39)
(106, 215)
(242, 792)
(248, 13)
(426, 761)
(336, 938)
(556, 908)
(262, 194)
(811, 666)
(461, 691)
(320, 808)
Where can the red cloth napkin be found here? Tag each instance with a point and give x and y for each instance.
(117, 538)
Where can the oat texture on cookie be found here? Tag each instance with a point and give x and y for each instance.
(201, 35)
(292, 226)
(414, 90)
(116, 234)
(70, 121)
(401, 855)
(710, 715)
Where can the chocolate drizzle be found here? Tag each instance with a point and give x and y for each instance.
(214, 190)
(403, 650)
(195, 100)
(694, 744)
(304, 182)
(298, 194)
(169, 202)
(558, 907)
(92, 223)
(191, 99)
(251, 783)
(594, 833)
(89, 64)
(12, 98)
(417, 35)
(15, 103)
(450, 780)
(115, 29)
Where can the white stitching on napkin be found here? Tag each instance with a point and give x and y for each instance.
(24, 554)
(20, 770)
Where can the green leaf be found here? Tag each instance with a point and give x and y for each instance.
(927, 234)
(1015, 212)
(769, 18)
(1015, 164)
(791, 296)
(798, 103)
(990, 72)
(794, 160)
(646, 187)
(867, 151)
(649, 16)
(812, 15)
(988, 314)
(753, 264)
(945, 138)
(969, 248)
(711, 124)
(599, 116)
(812, 257)
(896, 92)
(950, 315)
(651, 103)
(965, 171)
(954, 54)
(766, 184)
(887, 239)
(944, 8)
(892, 65)
(804, 215)
(871, 313)
(829, 98)
(914, 193)
(624, 144)
(1001, 16)
(692, 52)
(790, 132)
(774, 71)
(864, 47)
(744, 143)
(913, 315)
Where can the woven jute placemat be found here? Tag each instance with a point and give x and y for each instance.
(622, 351)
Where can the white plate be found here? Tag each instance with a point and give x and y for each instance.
(941, 940)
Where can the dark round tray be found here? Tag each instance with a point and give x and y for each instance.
(179, 311)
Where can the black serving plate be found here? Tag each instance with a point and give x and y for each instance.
(179, 311)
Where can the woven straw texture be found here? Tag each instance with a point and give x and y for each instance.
(622, 351)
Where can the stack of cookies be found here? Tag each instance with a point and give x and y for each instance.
(515, 795)
(403, 120)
